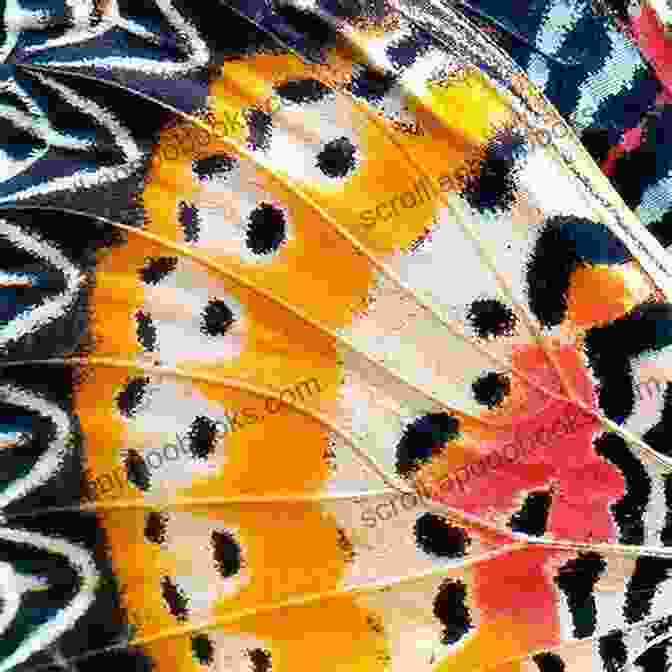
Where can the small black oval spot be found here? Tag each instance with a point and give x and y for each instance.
(491, 389)
(372, 85)
(155, 527)
(451, 610)
(131, 396)
(212, 166)
(337, 158)
(202, 435)
(190, 221)
(267, 229)
(533, 514)
(260, 659)
(137, 470)
(436, 536)
(260, 125)
(146, 331)
(217, 318)
(424, 438)
(156, 269)
(549, 662)
(226, 553)
(490, 317)
(203, 649)
(303, 91)
(176, 600)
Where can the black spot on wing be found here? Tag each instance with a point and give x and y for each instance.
(611, 348)
(371, 85)
(549, 662)
(213, 166)
(655, 659)
(577, 579)
(405, 52)
(597, 142)
(491, 318)
(436, 536)
(629, 510)
(661, 229)
(217, 318)
(491, 389)
(202, 436)
(260, 659)
(176, 600)
(658, 436)
(424, 438)
(267, 229)
(337, 158)
(303, 91)
(226, 553)
(146, 331)
(190, 222)
(155, 527)
(565, 243)
(260, 126)
(612, 651)
(533, 515)
(137, 470)
(131, 396)
(649, 574)
(451, 610)
(203, 649)
(156, 269)
(494, 186)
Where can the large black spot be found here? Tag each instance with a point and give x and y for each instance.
(597, 142)
(137, 470)
(371, 84)
(217, 318)
(549, 662)
(629, 510)
(267, 229)
(490, 317)
(337, 158)
(532, 517)
(405, 52)
(213, 166)
(303, 91)
(190, 222)
(566, 243)
(260, 659)
(494, 186)
(577, 579)
(176, 600)
(654, 659)
(260, 125)
(226, 553)
(203, 649)
(451, 610)
(202, 435)
(612, 651)
(437, 536)
(491, 389)
(650, 573)
(155, 527)
(146, 331)
(157, 268)
(424, 438)
(131, 396)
